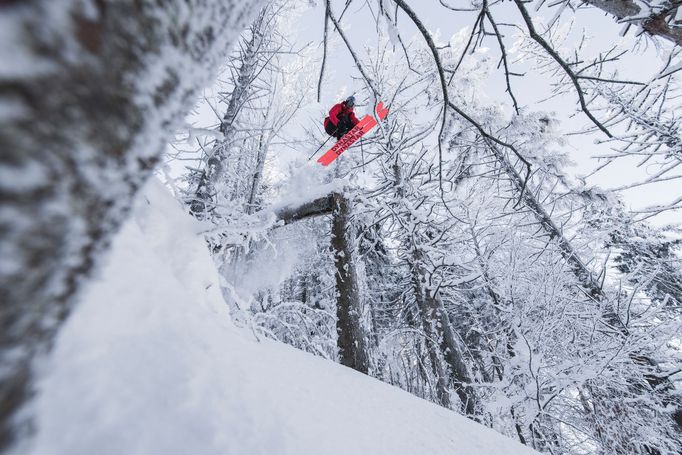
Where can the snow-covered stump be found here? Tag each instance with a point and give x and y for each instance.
(89, 91)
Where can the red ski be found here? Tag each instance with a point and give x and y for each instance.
(366, 124)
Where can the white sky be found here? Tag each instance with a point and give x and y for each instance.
(360, 27)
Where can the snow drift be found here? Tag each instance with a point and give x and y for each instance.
(150, 363)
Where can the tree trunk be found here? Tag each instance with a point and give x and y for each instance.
(85, 118)
(215, 161)
(436, 324)
(432, 345)
(351, 336)
(257, 175)
(438, 329)
(656, 22)
(578, 267)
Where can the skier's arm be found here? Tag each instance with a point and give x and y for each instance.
(353, 118)
(334, 114)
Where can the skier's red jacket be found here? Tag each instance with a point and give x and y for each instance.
(340, 110)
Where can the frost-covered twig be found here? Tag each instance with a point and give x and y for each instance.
(567, 69)
(358, 64)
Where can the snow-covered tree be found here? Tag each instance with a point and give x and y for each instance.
(90, 92)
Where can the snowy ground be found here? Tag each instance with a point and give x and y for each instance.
(150, 363)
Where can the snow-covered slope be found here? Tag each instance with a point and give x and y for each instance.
(150, 363)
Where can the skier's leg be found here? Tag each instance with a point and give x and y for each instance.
(344, 127)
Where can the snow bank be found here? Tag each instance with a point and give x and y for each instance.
(149, 363)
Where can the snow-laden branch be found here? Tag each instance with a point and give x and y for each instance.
(290, 213)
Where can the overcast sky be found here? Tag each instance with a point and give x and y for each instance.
(602, 31)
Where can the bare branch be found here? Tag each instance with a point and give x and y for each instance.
(358, 64)
(567, 69)
(324, 51)
(503, 59)
(441, 75)
(497, 141)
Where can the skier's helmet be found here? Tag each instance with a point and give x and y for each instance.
(350, 101)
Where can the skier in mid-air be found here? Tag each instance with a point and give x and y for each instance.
(341, 118)
(346, 128)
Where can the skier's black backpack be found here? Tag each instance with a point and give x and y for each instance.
(329, 127)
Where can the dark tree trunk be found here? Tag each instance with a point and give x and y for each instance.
(82, 129)
(351, 336)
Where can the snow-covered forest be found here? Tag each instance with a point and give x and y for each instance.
(504, 246)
